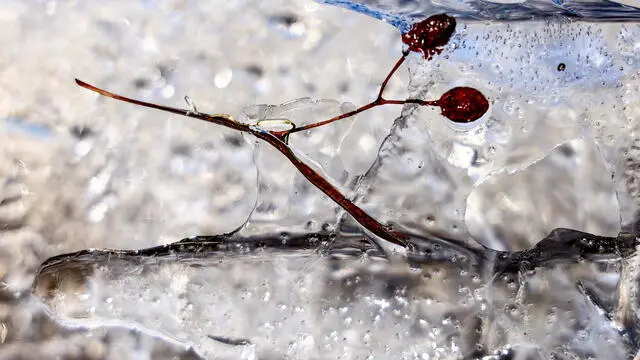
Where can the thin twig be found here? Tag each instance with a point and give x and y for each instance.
(276, 141)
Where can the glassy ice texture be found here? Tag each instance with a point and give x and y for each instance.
(563, 113)
(522, 224)
(286, 200)
(77, 172)
(233, 300)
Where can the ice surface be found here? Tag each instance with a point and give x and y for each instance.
(299, 279)
(286, 199)
(493, 210)
(307, 304)
(77, 172)
(535, 108)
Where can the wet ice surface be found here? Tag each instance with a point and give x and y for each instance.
(309, 302)
(546, 129)
(558, 148)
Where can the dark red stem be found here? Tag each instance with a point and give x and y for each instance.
(275, 140)
(379, 101)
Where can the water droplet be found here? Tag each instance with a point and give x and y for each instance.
(276, 124)
(223, 78)
(430, 220)
(168, 91)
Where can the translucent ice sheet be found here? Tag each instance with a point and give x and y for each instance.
(520, 227)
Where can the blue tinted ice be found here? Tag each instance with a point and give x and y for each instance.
(401, 13)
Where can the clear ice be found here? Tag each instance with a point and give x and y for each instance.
(523, 223)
